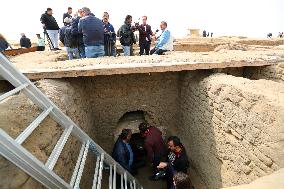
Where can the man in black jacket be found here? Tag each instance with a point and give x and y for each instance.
(25, 42)
(50, 25)
(145, 33)
(127, 38)
(78, 35)
(122, 152)
(177, 160)
(67, 15)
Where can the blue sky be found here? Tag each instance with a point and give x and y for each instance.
(253, 18)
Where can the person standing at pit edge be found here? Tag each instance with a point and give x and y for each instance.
(50, 25)
(145, 33)
(68, 14)
(93, 34)
(78, 35)
(126, 35)
(109, 36)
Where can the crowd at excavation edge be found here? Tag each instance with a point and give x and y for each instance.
(86, 36)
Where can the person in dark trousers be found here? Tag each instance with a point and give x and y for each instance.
(3, 43)
(68, 14)
(145, 33)
(182, 181)
(93, 34)
(25, 42)
(109, 36)
(41, 43)
(126, 35)
(76, 34)
(164, 41)
(50, 25)
(154, 145)
(177, 160)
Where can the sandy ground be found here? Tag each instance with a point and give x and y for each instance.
(51, 60)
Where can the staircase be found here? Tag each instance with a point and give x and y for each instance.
(13, 150)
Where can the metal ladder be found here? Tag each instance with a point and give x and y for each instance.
(13, 150)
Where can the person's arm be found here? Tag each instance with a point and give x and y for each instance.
(22, 42)
(121, 159)
(149, 149)
(150, 31)
(80, 29)
(29, 41)
(164, 38)
(113, 33)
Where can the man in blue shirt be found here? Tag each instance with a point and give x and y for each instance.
(93, 34)
(109, 36)
(165, 41)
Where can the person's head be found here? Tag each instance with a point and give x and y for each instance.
(182, 181)
(143, 128)
(80, 12)
(23, 35)
(163, 25)
(105, 17)
(49, 11)
(128, 19)
(38, 36)
(69, 10)
(174, 143)
(86, 11)
(125, 135)
(144, 19)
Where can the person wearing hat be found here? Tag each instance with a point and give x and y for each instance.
(25, 42)
(50, 25)
(109, 36)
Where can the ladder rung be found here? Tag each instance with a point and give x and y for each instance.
(14, 91)
(114, 177)
(76, 169)
(125, 180)
(82, 165)
(110, 177)
(58, 148)
(101, 171)
(96, 173)
(27, 132)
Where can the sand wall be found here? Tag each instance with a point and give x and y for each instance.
(232, 127)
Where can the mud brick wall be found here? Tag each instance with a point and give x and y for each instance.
(233, 128)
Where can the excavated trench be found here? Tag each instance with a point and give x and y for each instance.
(228, 124)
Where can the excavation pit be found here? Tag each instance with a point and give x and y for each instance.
(230, 125)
